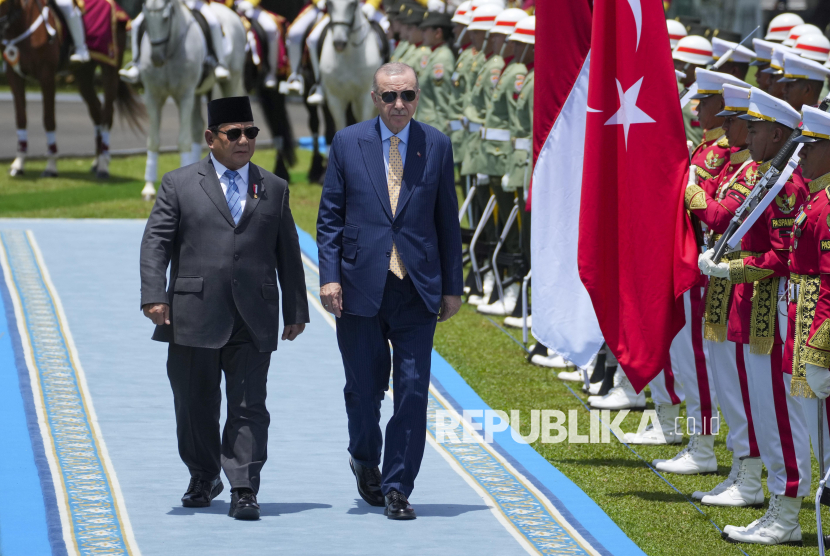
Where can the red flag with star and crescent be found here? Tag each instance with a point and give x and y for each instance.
(637, 252)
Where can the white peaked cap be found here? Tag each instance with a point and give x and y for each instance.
(742, 54)
(813, 47)
(764, 107)
(676, 31)
(763, 51)
(463, 13)
(815, 125)
(484, 17)
(798, 67)
(735, 99)
(711, 82)
(525, 31)
(800, 31)
(506, 21)
(777, 64)
(693, 49)
(779, 27)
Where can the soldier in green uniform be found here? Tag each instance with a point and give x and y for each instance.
(396, 13)
(469, 60)
(417, 55)
(436, 85)
(495, 145)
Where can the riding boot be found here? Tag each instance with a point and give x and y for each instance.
(273, 51)
(221, 70)
(130, 73)
(76, 29)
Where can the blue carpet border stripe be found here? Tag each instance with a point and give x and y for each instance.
(47, 487)
(589, 520)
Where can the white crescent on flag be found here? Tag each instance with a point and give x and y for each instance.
(638, 18)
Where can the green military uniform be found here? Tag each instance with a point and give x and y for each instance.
(518, 171)
(436, 89)
(416, 57)
(694, 132)
(400, 50)
(466, 70)
(475, 109)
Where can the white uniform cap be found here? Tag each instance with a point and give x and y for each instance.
(484, 17)
(525, 31)
(763, 52)
(676, 31)
(506, 21)
(816, 125)
(711, 82)
(693, 49)
(776, 66)
(463, 13)
(436, 6)
(479, 3)
(798, 67)
(813, 47)
(764, 107)
(735, 100)
(742, 54)
(780, 26)
(800, 31)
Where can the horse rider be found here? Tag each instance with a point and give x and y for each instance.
(72, 15)
(131, 74)
(251, 9)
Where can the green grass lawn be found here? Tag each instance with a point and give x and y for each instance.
(657, 518)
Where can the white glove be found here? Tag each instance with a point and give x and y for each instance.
(819, 380)
(691, 147)
(368, 10)
(708, 267)
(482, 179)
(693, 175)
(505, 180)
(244, 7)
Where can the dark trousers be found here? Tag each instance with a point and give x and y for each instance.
(195, 376)
(405, 321)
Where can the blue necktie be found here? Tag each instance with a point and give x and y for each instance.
(232, 195)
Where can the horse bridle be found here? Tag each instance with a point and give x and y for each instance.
(350, 25)
(168, 7)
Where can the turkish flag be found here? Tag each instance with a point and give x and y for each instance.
(637, 251)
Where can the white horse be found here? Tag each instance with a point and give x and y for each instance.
(173, 52)
(350, 56)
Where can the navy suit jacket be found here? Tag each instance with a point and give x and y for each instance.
(355, 227)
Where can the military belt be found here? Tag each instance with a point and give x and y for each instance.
(522, 143)
(491, 134)
(455, 125)
(473, 127)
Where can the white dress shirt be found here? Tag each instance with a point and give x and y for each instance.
(241, 181)
(385, 135)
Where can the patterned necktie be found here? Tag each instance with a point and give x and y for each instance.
(394, 184)
(232, 195)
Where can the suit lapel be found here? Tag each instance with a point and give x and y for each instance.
(210, 183)
(372, 148)
(251, 203)
(413, 167)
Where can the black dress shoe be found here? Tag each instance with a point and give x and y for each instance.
(397, 506)
(244, 504)
(368, 483)
(200, 493)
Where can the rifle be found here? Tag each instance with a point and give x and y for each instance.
(759, 198)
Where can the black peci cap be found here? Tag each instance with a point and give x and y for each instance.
(229, 110)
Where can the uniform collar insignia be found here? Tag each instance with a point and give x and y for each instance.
(819, 183)
(739, 157)
(712, 134)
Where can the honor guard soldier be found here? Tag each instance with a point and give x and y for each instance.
(690, 53)
(463, 76)
(496, 146)
(763, 57)
(418, 54)
(757, 326)
(398, 14)
(676, 31)
(799, 31)
(813, 47)
(803, 80)
(738, 63)
(779, 28)
(776, 70)
(434, 107)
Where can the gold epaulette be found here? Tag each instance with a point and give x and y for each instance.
(712, 134)
(739, 157)
(723, 142)
(821, 182)
(695, 197)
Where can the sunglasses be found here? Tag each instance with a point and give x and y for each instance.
(390, 96)
(235, 133)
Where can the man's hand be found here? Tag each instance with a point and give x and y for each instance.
(159, 313)
(450, 304)
(707, 265)
(819, 380)
(331, 295)
(291, 331)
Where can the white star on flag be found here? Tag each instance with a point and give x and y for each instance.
(629, 113)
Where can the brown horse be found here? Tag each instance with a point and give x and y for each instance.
(34, 46)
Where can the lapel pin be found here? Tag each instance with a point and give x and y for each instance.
(255, 191)
(418, 153)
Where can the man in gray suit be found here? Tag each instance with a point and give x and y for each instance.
(223, 225)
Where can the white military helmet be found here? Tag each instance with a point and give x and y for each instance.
(693, 49)
(813, 47)
(506, 21)
(800, 31)
(463, 14)
(525, 31)
(479, 3)
(779, 27)
(484, 17)
(676, 31)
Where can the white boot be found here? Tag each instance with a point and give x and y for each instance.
(130, 73)
(723, 485)
(552, 361)
(594, 388)
(664, 433)
(571, 376)
(76, 29)
(315, 95)
(294, 85)
(17, 167)
(502, 307)
(516, 322)
(487, 285)
(221, 70)
(778, 526)
(698, 457)
(621, 396)
(745, 491)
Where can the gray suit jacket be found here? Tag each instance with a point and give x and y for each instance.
(216, 267)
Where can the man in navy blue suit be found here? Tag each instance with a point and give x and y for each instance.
(390, 267)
